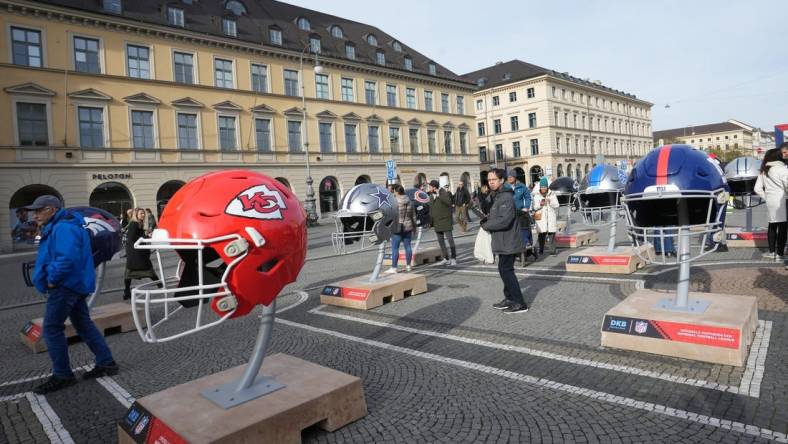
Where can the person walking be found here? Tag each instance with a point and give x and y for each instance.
(138, 264)
(150, 222)
(402, 229)
(461, 200)
(545, 213)
(65, 272)
(504, 226)
(440, 219)
(522, 205)
(772, 186)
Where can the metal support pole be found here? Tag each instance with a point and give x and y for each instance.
(682, 288)
(260, 347)
(419, 232)
(611, 243)
(748, 216)
(309, 202)
(379, 262)
(100, 271)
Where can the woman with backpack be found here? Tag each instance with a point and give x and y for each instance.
(402, 229)
(772, 186)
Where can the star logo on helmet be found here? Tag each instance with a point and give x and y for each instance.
(382, 196)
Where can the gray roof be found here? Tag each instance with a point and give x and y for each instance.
(697, 130)
(205, 17)
(517, 70)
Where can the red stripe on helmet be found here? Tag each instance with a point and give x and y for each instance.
(662, 165)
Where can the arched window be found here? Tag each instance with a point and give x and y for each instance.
(396, 45)
(336, 31)
(372, 40)
(235, 7)
(303, 24)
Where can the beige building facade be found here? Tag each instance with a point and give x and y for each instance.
(540, 122)
(724, 136)
(119, 108)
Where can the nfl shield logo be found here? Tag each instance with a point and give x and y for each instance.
(641, 326)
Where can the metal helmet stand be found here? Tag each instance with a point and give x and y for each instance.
(100, 272)
(611, 243)
(419, 232)
(378, 262)
(251, 385)
(748, 212)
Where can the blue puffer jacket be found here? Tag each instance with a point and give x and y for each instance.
(522, 197)
(64, 255)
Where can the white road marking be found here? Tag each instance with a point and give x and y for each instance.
(302, 297)
(552, 385)
(48, 419)
(116, 391)
(42, 376)
(13, 397)
(525, 273)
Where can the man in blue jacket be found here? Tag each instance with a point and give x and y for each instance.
(522, 206)
(64, 271)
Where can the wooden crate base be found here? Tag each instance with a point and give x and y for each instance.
(739, 238)
(623, 260)
(362, 294)
(422, 257)
(313, 394)
(720, 335)
(577, 239)
(109, 318)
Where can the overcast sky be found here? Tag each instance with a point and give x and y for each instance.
(709, 60)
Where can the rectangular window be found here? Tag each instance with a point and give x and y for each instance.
(262, 130)
(497, 126)
(534, 147)
(460, 105)
(275, 36)
(432, 144)
(229, 27)
(294, 136)
(374, 139)
(530, 93)
(557, 144)
(112, 6)
(463, 142)
(531, 120)
(394, 139)
(566, 119)
(184, 67)
(259, 78)
(428, 100)
(326, 146)
(347, 89)
(86, 55)
(291, 83)
(410, 97)
(187, 131)
(380, 57)
(496, 101)
(552, 90)
(499, 151)
(350, 52)
(314, 45)
(350, 138)
(479, 105)
(447, 142)
(563, 93)
(91, 127)
(444, 103)
(408, 63)
(175, 16)
(31, 123)
(515, 122)
(370, 94)
(138, 61)
(516, 149)
(142, 129)
(321, 86)
(227, 133)
(483, 154)
(513, 96)
(480, 127)
(391, 95)
(413, 136)
(26, 47)
(223, 73)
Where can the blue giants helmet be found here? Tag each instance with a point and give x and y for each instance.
(599, 197)
(676, 195)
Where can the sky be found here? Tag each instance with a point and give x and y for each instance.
(710, 61)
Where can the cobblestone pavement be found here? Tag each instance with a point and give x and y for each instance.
(444, 366)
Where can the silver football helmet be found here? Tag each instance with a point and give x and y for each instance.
(599, 197)
(365, 218)
(741, 173)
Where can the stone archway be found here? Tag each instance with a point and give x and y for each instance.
(559, 171)
(23, 228)
(112, 197)
(569, 170)
(362, 179)
(536, 173)
(329, 194)
(165, 193)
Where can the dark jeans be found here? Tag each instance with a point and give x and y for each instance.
(63, 303)
(511, 288)
(777, 237)
(450, 237)
(542, 238)
(395, 240)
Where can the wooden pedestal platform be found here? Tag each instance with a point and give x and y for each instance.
(422, 257)
(109, 318)
(720, 335)
(738, 237)
(576, 239)
(313, 395)
(362, 294)
(623, 260)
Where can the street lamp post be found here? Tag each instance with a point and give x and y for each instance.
(309, 202)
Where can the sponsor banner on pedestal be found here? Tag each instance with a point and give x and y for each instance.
(565, 237)
(598, 260)
(748, 235)
(673, 331)
(144, 428)
(32, 331)
(357, 294)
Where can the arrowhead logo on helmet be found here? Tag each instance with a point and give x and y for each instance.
(258, 202)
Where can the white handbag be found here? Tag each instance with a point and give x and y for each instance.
(482, 250)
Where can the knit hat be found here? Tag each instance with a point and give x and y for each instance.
(512, 174)
(435, 184)
(543, 182)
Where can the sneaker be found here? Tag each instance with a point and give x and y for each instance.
(722, 248)
(98, 371)
(771, 255)
(504, 304)
(391, 270)
(444, 262)
(453, 262)
(516, 308)
(53, 384)
(407, 268)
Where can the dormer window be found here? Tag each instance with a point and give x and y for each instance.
(408, 63)
(336, 31)
(112, 6)
(175, 16)
(381, 58)
(481, 82)
(372, 40)
(350, 51)
(397, 47)
(314, 44)
(507, 76)
(229, 27)
(303, 24)
(275, 36)
(235, 7)
(432, 69)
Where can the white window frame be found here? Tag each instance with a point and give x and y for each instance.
(10, 44)
(232, 67)
(270, 36)
(267, 76)
(333, 136)
(299, 87)
(72, 52)
(401, 149)
(271, 126)
(357, 124)
(353, 89)
(415, 98)
(185, 110)
(237, 117)
(233, 28)
(301, 131)
(396, 95)
(15, 98)
(182, 16)
(330, 86)
(375, 89)
(151, 63)
(155, 121)
(103, 104)
(195, 69)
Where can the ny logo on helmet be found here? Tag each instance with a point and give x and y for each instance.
(258, 202)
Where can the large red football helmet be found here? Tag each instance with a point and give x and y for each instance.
(241, 237)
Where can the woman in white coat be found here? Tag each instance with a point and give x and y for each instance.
(772, 186)
(545, 213)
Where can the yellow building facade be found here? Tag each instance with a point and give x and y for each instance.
(116, 139)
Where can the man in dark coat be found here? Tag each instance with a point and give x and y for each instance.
(440, 219)
(507, 242)
(461, 200)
